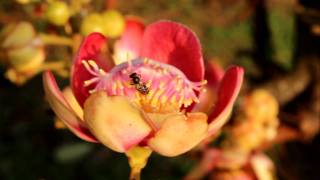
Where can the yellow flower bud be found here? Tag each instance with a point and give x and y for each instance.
(113, 22)
(27, 58)
(92, 23)
(58, 13)
(24, 51)
(17, 34)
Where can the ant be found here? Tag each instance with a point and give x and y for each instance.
(140, 86)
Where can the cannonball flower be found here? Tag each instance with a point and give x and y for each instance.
(123, 50)
(146, 100)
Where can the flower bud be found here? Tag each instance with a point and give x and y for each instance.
(58, 13)
(15, 35)
(113, 22)
(260, 104)
(27, 58)
(92, 23)
(24, 51)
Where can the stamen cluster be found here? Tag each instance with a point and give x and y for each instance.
(165, 83)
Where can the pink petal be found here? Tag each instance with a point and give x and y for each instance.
(174, 44)
(93, 47)
(129, 45)
(228, 90)
(63, 109)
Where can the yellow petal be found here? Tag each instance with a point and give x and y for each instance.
(179, 133)
(157, 119)
(71, 99)
(115, 121)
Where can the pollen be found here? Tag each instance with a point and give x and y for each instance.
(169, 89)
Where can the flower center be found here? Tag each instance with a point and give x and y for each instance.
(154, 86)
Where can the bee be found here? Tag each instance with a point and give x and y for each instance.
(140, 86)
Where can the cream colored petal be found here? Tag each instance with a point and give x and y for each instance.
(115, 121)
(157, 119)
(71, 99)
(179, 133)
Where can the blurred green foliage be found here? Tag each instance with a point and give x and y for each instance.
(282, 27)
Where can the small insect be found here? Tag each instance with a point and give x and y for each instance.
(140, 86)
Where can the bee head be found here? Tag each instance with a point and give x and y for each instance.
(132, 75)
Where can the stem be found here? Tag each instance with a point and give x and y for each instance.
(137, 157)
(68, 29)
(56, 40)
(135, 174)
(56, 65)
(292, 83)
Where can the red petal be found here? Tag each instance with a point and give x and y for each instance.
(214, 73)
(131, 40)
(174, 44)
(228, 90)
(93, 47)
(63, 110)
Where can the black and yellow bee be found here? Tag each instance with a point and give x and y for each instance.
(139, 85)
